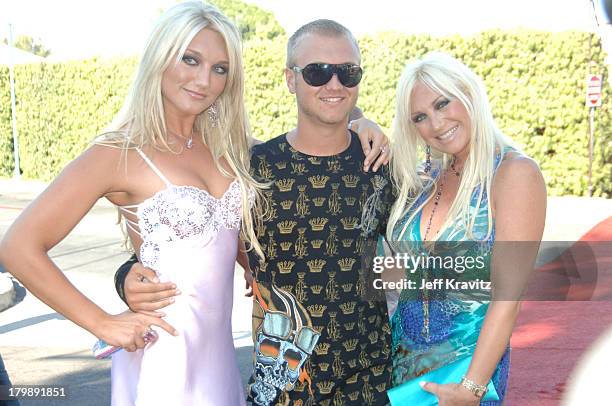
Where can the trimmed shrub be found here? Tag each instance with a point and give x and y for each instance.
(535, 80)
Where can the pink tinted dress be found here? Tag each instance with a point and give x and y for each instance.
(190, 238)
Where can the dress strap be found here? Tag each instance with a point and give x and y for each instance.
(153, 167)
(132, 225)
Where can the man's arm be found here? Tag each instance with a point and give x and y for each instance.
(121, 274)
(141, 290)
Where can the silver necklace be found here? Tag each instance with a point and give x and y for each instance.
(188, 141)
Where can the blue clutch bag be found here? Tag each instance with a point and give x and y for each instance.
(411, 393)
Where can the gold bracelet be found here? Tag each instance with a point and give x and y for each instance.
(478, 390)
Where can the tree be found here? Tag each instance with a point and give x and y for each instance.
(31, 45)
(252, 21)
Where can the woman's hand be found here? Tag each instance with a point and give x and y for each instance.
(369, 132)
(451, 394)
(128, 329)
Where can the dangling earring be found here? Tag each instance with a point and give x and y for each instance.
(213, 114)
(427, 159)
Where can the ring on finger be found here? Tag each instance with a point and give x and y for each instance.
(149, 335)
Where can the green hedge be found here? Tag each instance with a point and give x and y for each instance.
(60, 109)
(536, 83)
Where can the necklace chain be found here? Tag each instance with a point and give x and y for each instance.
(188, 140)
(438, 196)
(425, 331)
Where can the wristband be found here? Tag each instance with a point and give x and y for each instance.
(120, 276)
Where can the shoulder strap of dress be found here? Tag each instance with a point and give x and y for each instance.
(153, 167)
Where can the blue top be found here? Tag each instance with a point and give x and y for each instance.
(433, 327)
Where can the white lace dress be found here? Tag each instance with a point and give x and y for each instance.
(190, 238)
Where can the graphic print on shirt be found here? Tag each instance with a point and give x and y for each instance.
(283, 342)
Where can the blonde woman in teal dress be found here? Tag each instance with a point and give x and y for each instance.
(474, 186)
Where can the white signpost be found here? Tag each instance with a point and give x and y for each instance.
(593, 99)
(593, 94)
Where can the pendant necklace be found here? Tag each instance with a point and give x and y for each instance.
(437, 198)
(188, 141)
(425, 330)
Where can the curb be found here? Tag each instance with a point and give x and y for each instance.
(7, 292)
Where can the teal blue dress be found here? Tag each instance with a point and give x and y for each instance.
(432, 328)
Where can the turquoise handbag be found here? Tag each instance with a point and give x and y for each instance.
(411, 393)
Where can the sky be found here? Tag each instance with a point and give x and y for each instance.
(75, 29)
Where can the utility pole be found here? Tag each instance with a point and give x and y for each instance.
(16, 173)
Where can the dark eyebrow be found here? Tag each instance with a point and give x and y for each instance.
(437, 98)
(433, 103)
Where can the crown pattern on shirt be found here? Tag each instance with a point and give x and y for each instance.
(318, 223)
(378, 369)
(346, 242)
(286, 227)
(348, 307)
(286, 204)
(350, 201)
(316, 310)
(316, 289)
(378, 182)
(325, 387)
(346, 264)
(349, 223)
(350, 181)
(318, 181)
(347, 287)
(298, 168)
(285, 185)
(318, 201)
(322, 348)
(316, 244)
(316, 265)
(350, 345)
(285, 266)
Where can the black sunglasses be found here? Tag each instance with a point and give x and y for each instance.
(318, 74)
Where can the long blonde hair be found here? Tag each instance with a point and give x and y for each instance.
(449, 77)
(141, 121)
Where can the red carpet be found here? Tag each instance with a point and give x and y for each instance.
(551, 336)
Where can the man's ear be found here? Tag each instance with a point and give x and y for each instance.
(290, 78)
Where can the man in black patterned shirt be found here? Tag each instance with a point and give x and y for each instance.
(318, 339)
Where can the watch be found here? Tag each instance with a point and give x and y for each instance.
(478, 390)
